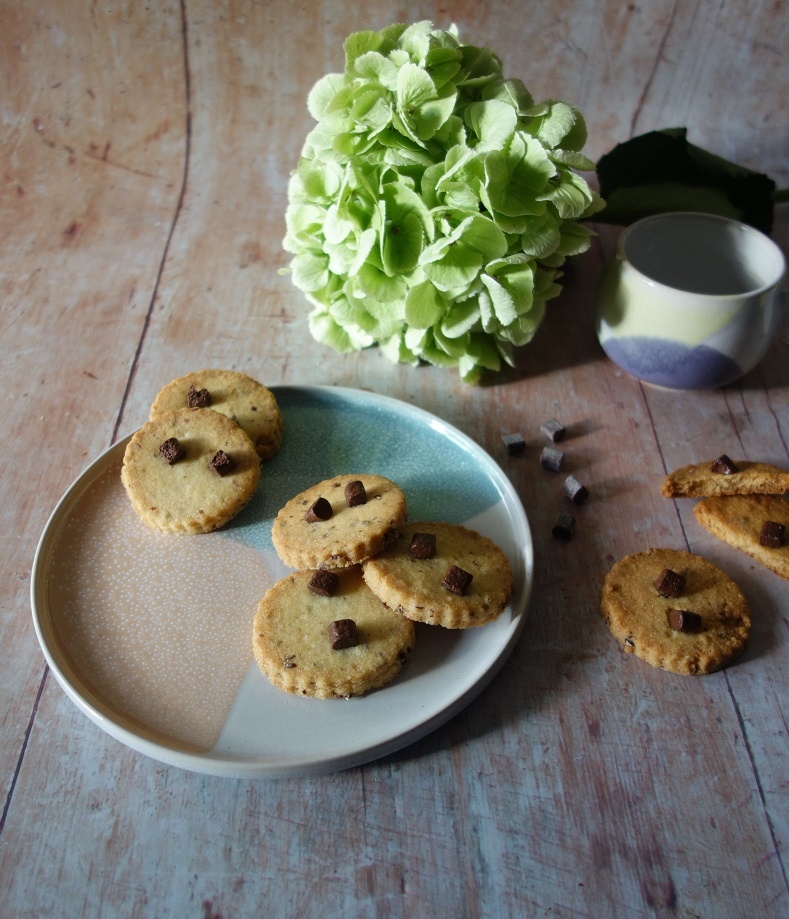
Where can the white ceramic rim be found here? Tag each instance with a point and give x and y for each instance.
(702, 215)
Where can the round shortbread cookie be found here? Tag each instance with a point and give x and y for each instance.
(413, 586)
(638, 614)
(292, 643)
(350, 534)
(250, 404)
(189, 496)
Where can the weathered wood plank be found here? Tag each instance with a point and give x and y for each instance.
(89, 187)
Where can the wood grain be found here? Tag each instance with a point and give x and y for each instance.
(144, 162)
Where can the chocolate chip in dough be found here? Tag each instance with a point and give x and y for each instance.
(318, 510)
(670, 584)
(198, 398)
(343, 634)
(171, 451)
(221, 463)
(724, 466)
(324, 583)
(772, 534)
(456, 580)
(423, 545)
(355, 493)
(683, 620)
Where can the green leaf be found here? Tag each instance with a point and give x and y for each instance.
(337, 226)
(371, 110)
(572, 159)
(364, 247)
(540, 237)
(514, 276)
(481, 234)
(442, 64)
(501, 301)
(457, 268)
(323, 92)
(320, 181)
(575, 239)
(401, 245)
(358, 45)
(424, 306)
(517, 176)
(512, 92)
(555, 125)
(428, 117)
(570, 197)
(415, 40)
(328, 331)
(373, 66)
(461, 318)
(378, 285)
(492, 122)
(662, 171)
(414, 88)
(394, 348)
(310, 272)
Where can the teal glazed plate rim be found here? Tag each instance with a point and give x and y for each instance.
(150, 634)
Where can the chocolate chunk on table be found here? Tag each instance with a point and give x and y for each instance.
(552, 459)
(514, 443)
(564, 526)
(575, 490)
(553, 430)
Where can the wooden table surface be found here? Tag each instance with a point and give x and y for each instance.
(146, 150)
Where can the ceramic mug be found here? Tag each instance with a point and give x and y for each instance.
(690, 300)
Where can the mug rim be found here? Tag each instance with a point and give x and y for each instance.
(703, 216)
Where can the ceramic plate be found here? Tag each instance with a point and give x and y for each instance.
(150, 634)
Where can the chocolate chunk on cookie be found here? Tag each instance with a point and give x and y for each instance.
(741, 521)
(305, 644)
(707, 633)
(250, 404)
(466, 582)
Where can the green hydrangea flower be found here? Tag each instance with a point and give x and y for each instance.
(434, 202)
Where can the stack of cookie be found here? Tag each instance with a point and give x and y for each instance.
(196, 463)
(742, 503)
(342, 624)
